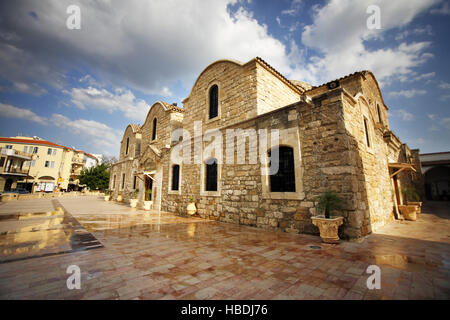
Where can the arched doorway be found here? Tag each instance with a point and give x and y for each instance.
(8, 184)
(437, 183)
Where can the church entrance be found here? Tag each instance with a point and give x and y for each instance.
(149, 186)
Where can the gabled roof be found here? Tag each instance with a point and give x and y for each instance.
(135, 127)
(363, 73)
(172, 107)
(274, 71)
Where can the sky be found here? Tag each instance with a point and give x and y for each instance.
(81, 87)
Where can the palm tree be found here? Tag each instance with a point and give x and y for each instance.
(328, 202)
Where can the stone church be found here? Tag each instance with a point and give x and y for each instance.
(334, 136)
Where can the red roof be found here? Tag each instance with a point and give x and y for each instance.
(41, 142)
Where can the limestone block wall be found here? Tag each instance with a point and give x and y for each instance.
(326, 158)
(272, 92)
(134, 140)
(237, 95)
(375, 194)
(163, 128)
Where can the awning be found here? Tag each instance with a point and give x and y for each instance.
(47, 178)
(399, 167)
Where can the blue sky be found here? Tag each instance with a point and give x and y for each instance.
(81, 88)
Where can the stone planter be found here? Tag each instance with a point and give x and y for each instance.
(119, 198)
(409, 212)
(328, 228)
(148, 205)
(133, 203)
(107, 198)
(418, 206)
(191, 209)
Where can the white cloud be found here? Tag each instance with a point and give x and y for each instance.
(414, 77)
(293, 9)
(446, 122)
(405, 115)
(407, 93)
(99, 135)
(445, 97)
(444, 85)
(444, 10)
(439, 123)
(120, 100)
(143, 45)
(339, 29)
(9, 111)
(427, 30)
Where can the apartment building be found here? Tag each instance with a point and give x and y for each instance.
(39, 165)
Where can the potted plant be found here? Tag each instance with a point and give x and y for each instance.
(148, 199)
(133, 199)
(119, 196)
(107, 195)
(327, 204)
(191, 208)
(413, 198)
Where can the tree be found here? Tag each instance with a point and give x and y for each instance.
(96, 178)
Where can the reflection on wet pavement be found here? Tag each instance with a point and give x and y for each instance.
(151, 255)
(37, 234)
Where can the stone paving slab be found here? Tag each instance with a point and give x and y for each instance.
(162, 256)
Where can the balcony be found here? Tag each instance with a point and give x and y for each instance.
(78, 161)
(14, 171)
(15, 153)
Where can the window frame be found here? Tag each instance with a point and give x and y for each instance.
(290, 138)
(203, 177)
(214, 87)
(154, 129)
(207, 119)
(277, 177)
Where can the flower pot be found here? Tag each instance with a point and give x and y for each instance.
(328, 228)
(409, 212)
(107, 198)
(148, 205)
(191, 208)
(133, 203)
(119, 198)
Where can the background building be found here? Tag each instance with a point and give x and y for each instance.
(38, 165)
(436, 171)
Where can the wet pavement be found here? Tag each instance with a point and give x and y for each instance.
(162, 256)
(38, 234)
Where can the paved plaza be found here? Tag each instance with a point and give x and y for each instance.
(126, 253)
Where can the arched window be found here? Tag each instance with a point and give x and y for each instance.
(154, 129)
(175, 177)
(128, 144)
(366, 131)
(213, 101)
(380, 120)
(211, 175)
(284, 179)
